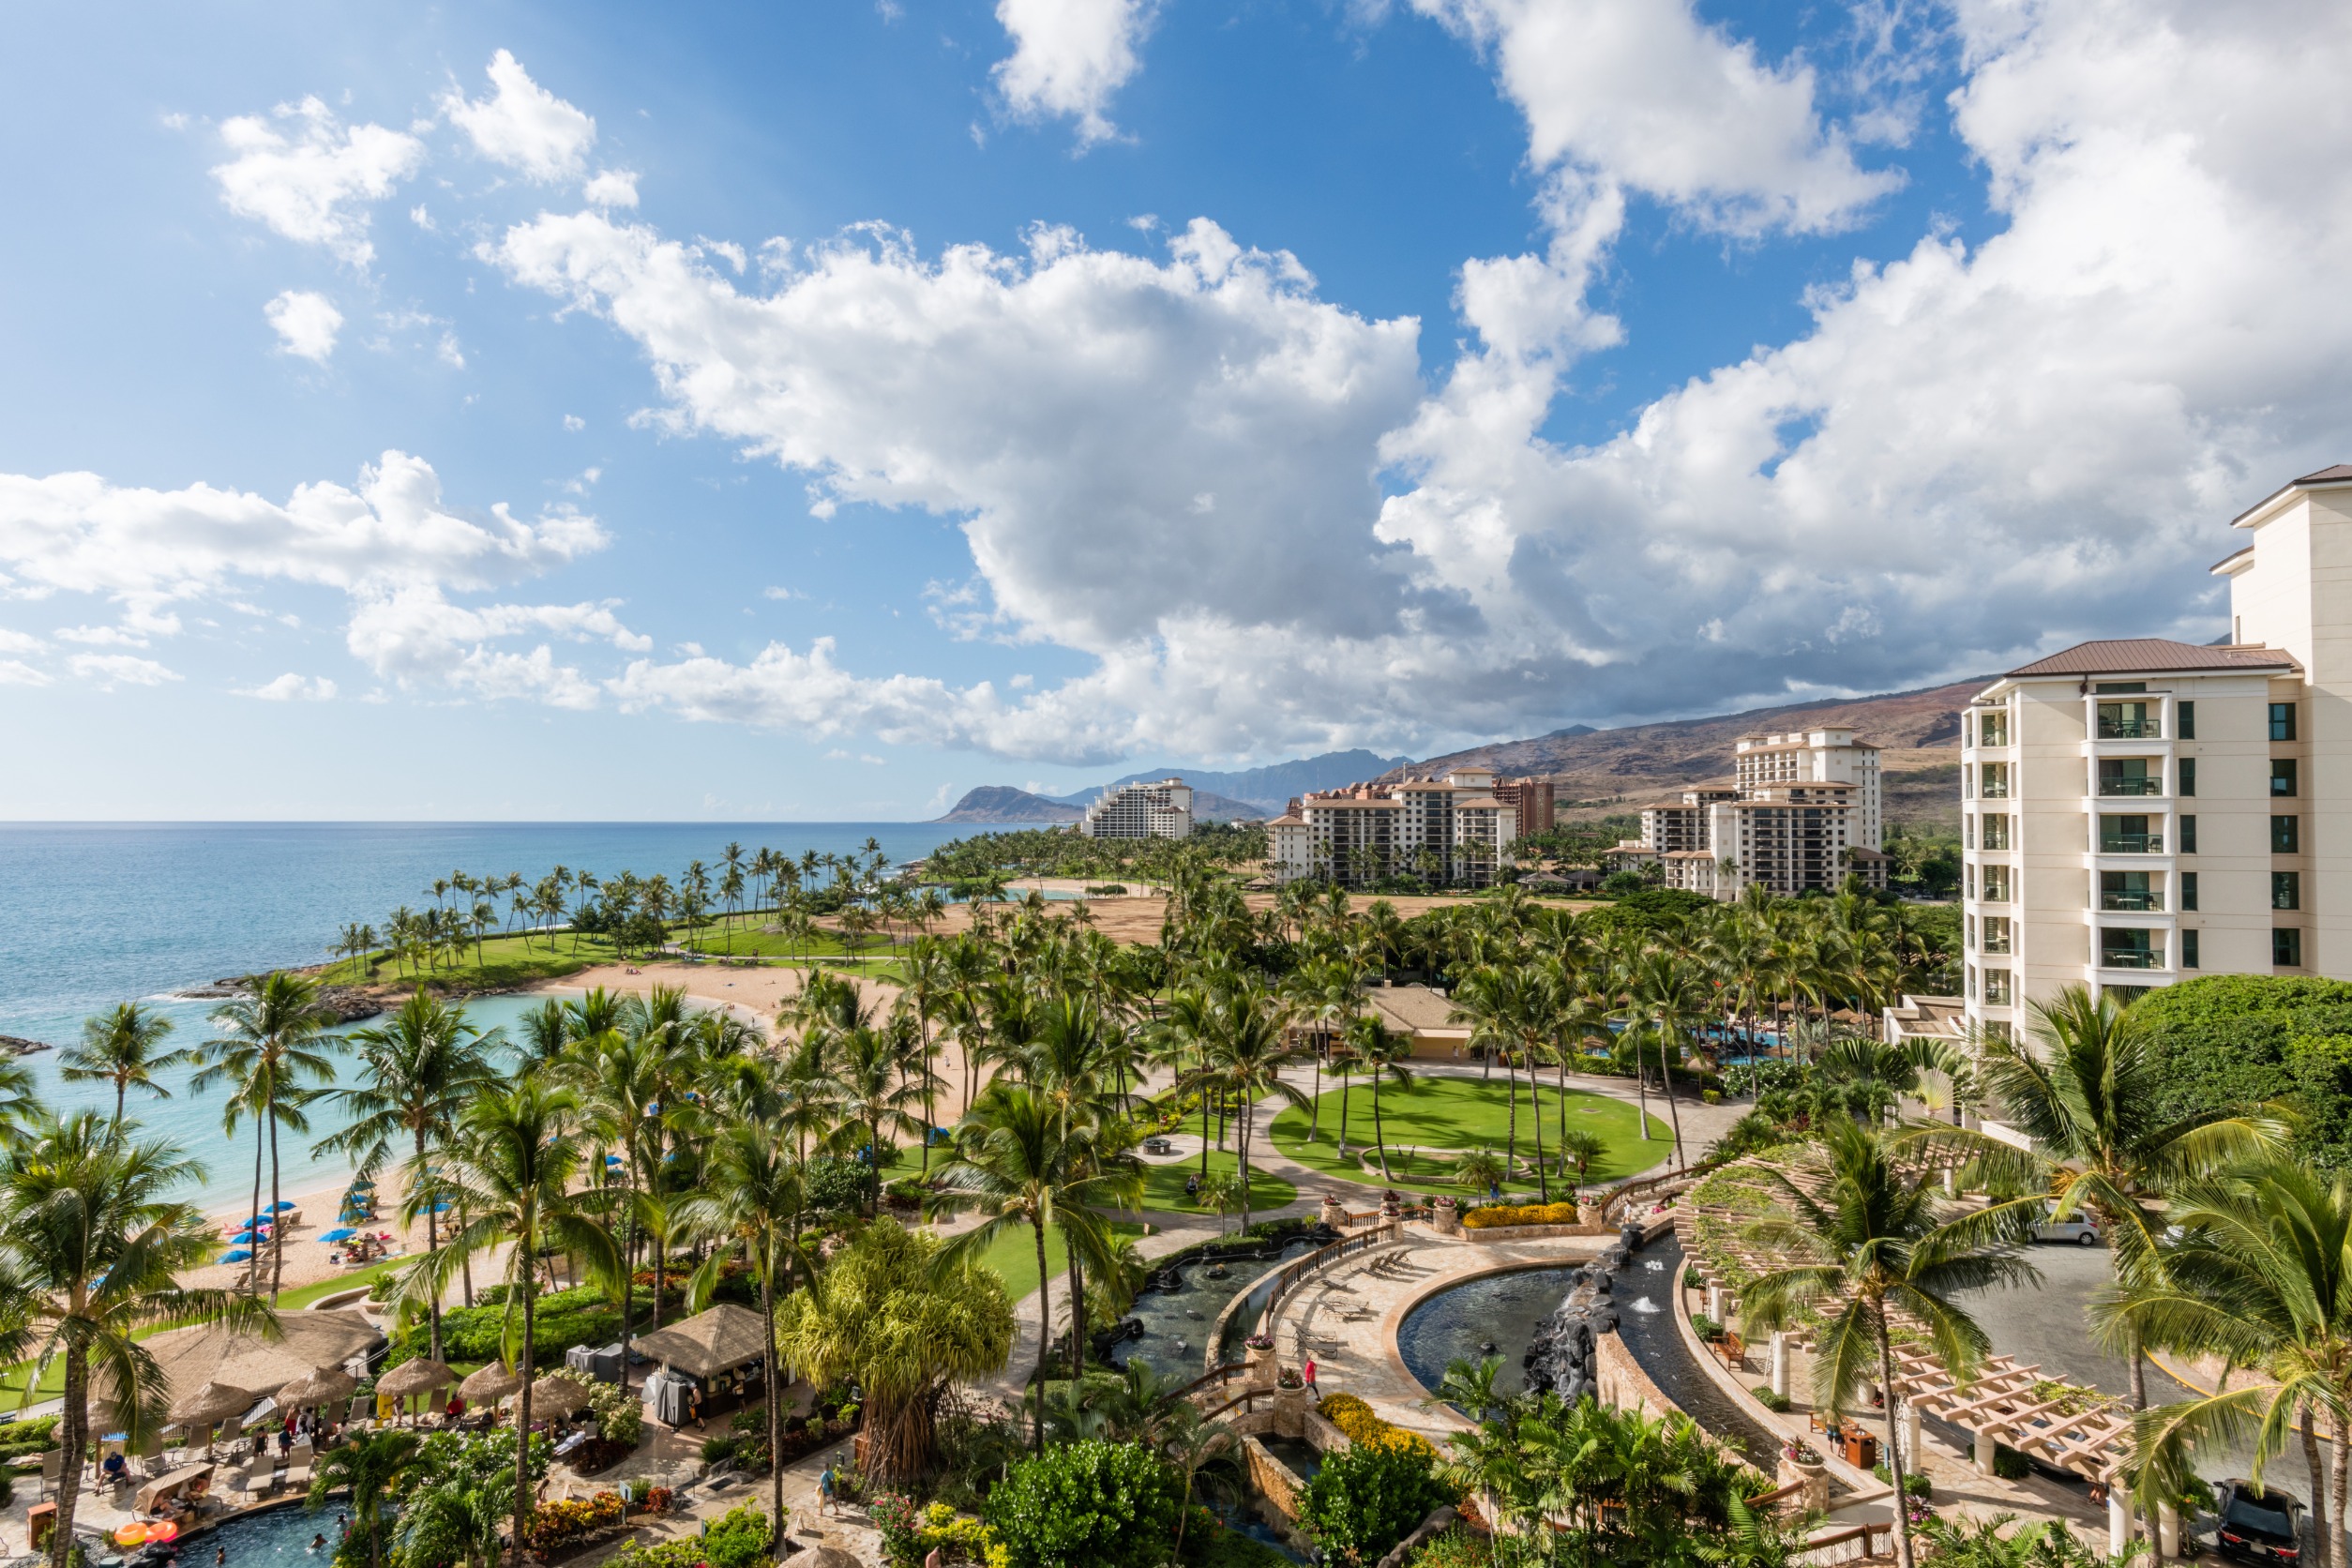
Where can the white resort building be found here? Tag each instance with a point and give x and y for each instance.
(1161, 811)
(1805, 808)
(2142, 811)
(1455, 829)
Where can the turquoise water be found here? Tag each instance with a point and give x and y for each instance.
(94, 915)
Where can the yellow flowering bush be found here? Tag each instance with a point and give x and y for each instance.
(1519, 1213)
(1364, 1429)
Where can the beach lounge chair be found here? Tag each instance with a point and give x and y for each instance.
(260, 1474)
(298, 1469)
(151, 1461)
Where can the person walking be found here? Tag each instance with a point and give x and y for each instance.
(825, 1491)
(1307, 1372)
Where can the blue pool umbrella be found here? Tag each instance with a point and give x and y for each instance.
(441, 1208)
(237, 1255)
(281, 1206)
(343, 1235)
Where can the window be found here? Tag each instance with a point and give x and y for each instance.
(1972, 982)
(2189, 948)
(2287, 890)
(2188, 775)
(2188, 835)
(2126, 721)
(2128, 776)
(1996, 777)
(2283, 775)
(1996, 933)
(2129, 890)
(2106, 688)
(1971, 922)
(2184, 722)
(2188, 890)
(1968, 832)
(1996, 884)
(2286, 947)
(1968, 880)
(2128, 836)
(1992, 727)
(1995, 1029)
(2285, 836)
(1996, 987)
(1996, 833)
(2129, 947)
(2282, 721)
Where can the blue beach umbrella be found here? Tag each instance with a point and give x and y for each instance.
(237, 1255)
(343, 1235)
(281, 1206)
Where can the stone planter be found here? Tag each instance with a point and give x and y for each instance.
(1262, 1369)
(1587, 1212)
(1813, 1477)
(1290, 1411)
(1392, 1207)
(1445, 1217)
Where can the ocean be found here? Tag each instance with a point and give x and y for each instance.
(95, 913)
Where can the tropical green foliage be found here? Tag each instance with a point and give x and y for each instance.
(1365, 1499)
(1104, 1504)
(2226, 1042)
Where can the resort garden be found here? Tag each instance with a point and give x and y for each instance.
(885, 1172)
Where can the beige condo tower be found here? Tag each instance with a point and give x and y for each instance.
(2141, 811)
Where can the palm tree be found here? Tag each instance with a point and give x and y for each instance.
(371, 1465)
(1382, 1052)
(520, 1165)
(751, 1198)
(1013, 1165)
(1663, 983)
(266, 1047)
(1248, 1046)
(2262, 1278)
(122, 1048)
(91, 1245)
(1865, 1240)
(2089, 1092)
(1514, 1010)
(415, 1075)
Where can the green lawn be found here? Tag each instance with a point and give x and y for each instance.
(1438, 1117)
(1164, 1185)
(1013, 1257)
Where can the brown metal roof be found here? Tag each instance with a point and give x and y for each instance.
(2336, 474)
(2152, 656)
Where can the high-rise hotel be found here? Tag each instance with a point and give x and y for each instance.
(2142, 811)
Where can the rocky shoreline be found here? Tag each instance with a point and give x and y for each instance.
(16, 1044)
(349, 1003)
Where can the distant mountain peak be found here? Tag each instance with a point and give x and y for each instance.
(1002, 804)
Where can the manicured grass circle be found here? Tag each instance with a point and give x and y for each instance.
(1438, 1118)
(1164, 1184)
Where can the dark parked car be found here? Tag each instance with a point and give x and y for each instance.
(2258, 1526)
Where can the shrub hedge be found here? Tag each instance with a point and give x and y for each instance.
(2230, 1041)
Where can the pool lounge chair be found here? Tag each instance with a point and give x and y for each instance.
(260, 1475)
(298, 1470)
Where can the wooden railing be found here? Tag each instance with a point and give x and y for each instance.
(1247, 1399)
(1290, 1275)
(1218, 1377)
(1615, 1211)
(1858, 1545)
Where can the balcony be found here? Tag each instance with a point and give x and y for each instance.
(2151, 902)
(2130, 958)
(2125, 728)
(2131, 787)
(2131, 843)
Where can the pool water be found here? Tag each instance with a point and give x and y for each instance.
(1503, 1309)
(279, 1538)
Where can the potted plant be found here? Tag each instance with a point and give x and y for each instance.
(1260, 1342)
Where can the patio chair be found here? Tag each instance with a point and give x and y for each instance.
(362, 1412)
(151, 1461)
(53, 1469)
(260, 1475)
(298, 1470)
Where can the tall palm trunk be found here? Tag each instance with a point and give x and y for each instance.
(1077, 1305)
(775, 1388)
(1511, 1137)
(1564, 1113)
(1666, 1081)
(1535, 1121)
(1380, 1133)
(433, 1246)
(253, 1274)
(1894, 1441)
(73, 1436)
(2338, 1481)
(1240, 1145)
(2320, 1514)
(530, 1289)
(277, 1218)
(1044, 1339)
(1313, 1115)
(1347, 1081)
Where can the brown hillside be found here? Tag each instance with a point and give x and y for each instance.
(1617, 768)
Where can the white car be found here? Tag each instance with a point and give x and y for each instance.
(2082, 1229)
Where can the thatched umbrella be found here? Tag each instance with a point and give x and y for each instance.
(558, 1396)
(489, 1385)
(322, 1387)
(421, 1376)
(213, 1402)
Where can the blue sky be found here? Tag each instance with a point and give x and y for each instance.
(814, 411)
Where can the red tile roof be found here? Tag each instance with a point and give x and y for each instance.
(2134, 656)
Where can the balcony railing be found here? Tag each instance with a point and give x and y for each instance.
(2131, 786)
(2131, 843)
(2129, 729)
(2130, 958)
(2150, 902)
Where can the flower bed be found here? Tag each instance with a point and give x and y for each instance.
(910, 1533)
(1489, 1215)
(568, 1521)
(1356, 1419)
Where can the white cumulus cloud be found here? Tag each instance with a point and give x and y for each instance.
(310, 177)
(109, 671)
(306, 323)
(291, 688)
(525, 127)
(611, 187)
(1070, 58)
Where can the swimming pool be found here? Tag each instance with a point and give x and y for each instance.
(278, 1537)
